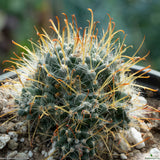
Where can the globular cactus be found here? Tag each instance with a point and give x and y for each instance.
(76, 88)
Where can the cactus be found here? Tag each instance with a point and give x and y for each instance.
(76, 88)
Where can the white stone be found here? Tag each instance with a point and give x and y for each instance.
(12, 154)
(13, 134)
(155, 152)
(30, 154)
(134, 137)
(123, 156)
(15, 139)
(21, 156)
(22, 140)
(4, 138)
(43, 152)
(18, 125)
(25, 151)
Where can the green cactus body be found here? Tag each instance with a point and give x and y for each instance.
(75, 88)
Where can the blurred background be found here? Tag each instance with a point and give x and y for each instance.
(136, 17)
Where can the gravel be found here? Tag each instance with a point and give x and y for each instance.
(123, 156)
(4, 138)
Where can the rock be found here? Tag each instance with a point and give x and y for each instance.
(12, 145)
(30, 154)
(155, 152)
(144, 150)
(26, 151)
(15, 139)
(135, 152)
(4, 138)
(134, 137)
(1, 108)
(36, 149)
(115, 155)
(22, 140)
(3, 129)
(12, 154)
(123, 156)
(21, 156)
(23, 129)
(18, 125)
(154, 145)
(3, 103)
(13, 135)
(10, 126)
(131, 154)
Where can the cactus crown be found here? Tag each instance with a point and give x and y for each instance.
(76, 89)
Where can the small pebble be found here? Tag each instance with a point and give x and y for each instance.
(135, 137)
(13, 134)
(123, 156)
(1, 108)
(136, 151)
(22, 140)
(23, 129)
(18, 125)
(15, 139)
(3, 103)
(3, 129)
(155, 151)
(4, 138)
(12, 145)
(30, 154)
(26, 151)
(10, 126)
(131, 154)
(35, 149)
(12, 154)
(115, 155)
(21, 156)
(44, 153)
